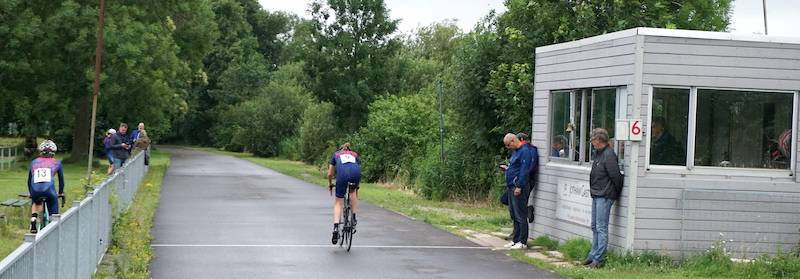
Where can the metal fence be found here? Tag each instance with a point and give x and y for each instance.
(74, 243)
(8, 156)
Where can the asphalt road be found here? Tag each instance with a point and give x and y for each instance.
(222, 217)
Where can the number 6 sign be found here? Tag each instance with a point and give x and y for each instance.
(635, 130)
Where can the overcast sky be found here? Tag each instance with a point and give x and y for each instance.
(783, 15)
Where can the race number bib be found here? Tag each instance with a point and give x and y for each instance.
(42, 175)
(347, 158)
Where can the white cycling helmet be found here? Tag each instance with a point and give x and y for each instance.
(48, 147)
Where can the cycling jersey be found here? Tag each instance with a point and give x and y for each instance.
(41, 184)
(348, 170)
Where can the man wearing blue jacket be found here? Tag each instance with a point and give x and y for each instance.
(518, 187)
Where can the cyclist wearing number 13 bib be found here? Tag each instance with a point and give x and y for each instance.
(40, 178)
(348, 170)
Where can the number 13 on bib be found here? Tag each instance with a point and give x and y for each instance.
(41, 175)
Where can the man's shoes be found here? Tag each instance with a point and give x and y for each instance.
(335, 237)
(587, 262)
(508, 245)
(518, 246)
(595, 265)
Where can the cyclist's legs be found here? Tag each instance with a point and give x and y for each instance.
(52, 201)
(337, 209)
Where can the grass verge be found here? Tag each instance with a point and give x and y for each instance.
(130, 253)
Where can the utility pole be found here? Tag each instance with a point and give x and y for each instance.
(764, 7)
(98, 56)
(441, 130)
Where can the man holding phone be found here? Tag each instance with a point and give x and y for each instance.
(518, 187)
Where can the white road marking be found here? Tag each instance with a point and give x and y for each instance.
(320, 246)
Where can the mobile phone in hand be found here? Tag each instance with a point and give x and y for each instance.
(502, 167)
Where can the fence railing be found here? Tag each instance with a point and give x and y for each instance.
(74, 243)
(8, 156)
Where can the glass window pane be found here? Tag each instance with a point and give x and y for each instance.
(743, 129)
(669, 127)
(559, 142)
(604, 111)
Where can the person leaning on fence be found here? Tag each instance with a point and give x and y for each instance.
(605, 183)
(141, 141)
(107, 144)
(120, 146)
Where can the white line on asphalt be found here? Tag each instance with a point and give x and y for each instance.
(319, 246)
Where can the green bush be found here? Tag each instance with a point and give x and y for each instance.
(465, 174)
(575, 249)
(546, 242)
(398, 131)
(258, 125)
(317, 133)
(289, 148)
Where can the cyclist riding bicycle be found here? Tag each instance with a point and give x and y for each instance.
(40, 181)
(346, 163)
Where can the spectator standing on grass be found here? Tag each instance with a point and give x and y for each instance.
(141, 142)
(605, 183)
(120, 146)
(517, 188)
(107, 144)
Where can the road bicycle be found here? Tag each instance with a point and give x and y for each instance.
(347, 220)
(43, 218)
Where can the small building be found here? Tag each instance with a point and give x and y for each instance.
(704, 124)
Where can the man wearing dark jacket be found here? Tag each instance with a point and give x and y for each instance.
(517, 188)
(605, 183)
(120, 146)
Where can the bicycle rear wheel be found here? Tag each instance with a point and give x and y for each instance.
(345, 225)
(349, 235)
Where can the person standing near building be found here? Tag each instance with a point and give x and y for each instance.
(605, 183)
(517, 188)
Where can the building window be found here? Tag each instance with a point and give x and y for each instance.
(669, 126)
(743, 129)
(575, 113)
(563, 129)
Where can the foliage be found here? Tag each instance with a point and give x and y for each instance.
(575, 249)
(258, 125)
(317, 132)
(346, 55)
(546, 242)
(397, 134)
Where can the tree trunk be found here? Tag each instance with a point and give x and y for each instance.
(80, 132)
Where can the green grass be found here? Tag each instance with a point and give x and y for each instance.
(130, 253)
(14, 182)
(491, 217)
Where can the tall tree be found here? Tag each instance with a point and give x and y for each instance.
(347, 55)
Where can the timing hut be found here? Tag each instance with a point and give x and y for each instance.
(705, 126)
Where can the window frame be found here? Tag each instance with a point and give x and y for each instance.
(690, 168)
(584, 129)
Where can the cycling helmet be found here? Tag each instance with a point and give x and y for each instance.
(48, 147)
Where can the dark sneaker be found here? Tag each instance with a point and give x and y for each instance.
(335, 237)
(595, 265)
(587, 262)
